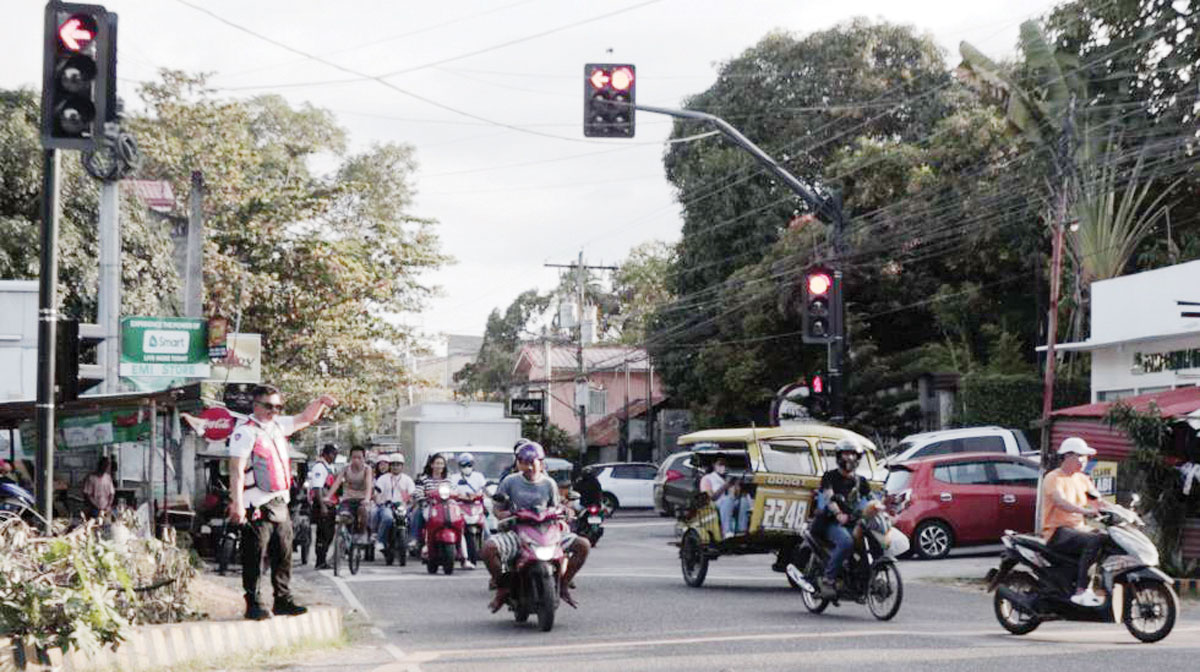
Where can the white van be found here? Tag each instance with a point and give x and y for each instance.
(489, 460)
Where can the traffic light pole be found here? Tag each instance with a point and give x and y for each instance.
(830, 209)
(47, 328)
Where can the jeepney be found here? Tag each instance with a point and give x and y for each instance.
(780, 469)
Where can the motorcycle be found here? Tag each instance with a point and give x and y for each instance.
(590, 524)
(868, 575)
(444, 528)
(474, 518)
(1034, 584)
(534, 580)
(301, 515)
(396, 548)
(17, 502)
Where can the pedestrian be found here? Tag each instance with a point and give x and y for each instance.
(320, 477)
(99, 491)
(259, 482)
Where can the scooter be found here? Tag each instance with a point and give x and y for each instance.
(534, 580)
(17, 502)
(869, 575)
(396, 549)
(590, 524)
(443, 530)
(1034, 584)
(474, 518)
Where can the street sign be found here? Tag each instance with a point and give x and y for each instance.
(525, 406)
(164, 347)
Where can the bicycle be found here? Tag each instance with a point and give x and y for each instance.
(345, 545)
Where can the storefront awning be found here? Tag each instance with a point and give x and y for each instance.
(13, 413)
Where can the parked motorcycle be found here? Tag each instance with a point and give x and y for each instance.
(444, 528)
(533, 580)
(396, 548)
(17, 502)
(1034, 584)
(590, 524)
(868, 575)
(474, 518)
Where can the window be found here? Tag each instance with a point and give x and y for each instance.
(963, 473)
(597, 402)
(1016, 473)
(982, 444)
(645, 472)
(789, 457)
(624, 471)
(940, 448)
(898, 480)
(1113, 395)
(1022, 442)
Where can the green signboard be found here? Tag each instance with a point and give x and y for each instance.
(164, 347)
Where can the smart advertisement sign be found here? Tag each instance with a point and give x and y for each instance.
(164, 347)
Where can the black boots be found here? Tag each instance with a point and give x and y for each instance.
(286, 607)
(254, 610)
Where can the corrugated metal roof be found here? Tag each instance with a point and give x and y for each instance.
(1171, 403)
(1110, 444)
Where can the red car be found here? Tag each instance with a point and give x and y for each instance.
(961, 499)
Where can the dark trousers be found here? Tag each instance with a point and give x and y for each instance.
(1085, 544)
(323, 516)
(268, 536)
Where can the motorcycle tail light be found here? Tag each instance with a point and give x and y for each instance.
(593, 509)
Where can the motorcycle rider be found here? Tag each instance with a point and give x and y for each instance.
(1065, 493)
(531, 489)
(393, 486)
(832, 519)
(468, 483)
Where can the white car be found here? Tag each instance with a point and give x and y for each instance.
(626, 484)
(963, 440)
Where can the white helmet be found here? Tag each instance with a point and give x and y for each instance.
(848, 446)
(1076, 445)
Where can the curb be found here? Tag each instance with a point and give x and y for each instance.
(151, 647)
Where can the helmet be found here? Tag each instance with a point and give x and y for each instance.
(1076, 445)
(530, 452)
(396, 458)
(466, 459)
(848, 446)
(520, 442)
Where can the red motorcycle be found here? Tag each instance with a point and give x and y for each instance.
(535, 578)
(474, 518)
(443, 529)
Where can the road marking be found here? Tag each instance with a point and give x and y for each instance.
(349, 595)
(1046, 637)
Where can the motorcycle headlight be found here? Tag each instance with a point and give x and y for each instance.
(543, 553)
(444, 491)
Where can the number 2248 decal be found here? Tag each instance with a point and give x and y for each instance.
(784, 514)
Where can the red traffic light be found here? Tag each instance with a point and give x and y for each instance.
(599, 79)
(622, 79)
(818, 385)
(819, 284)
(77, 32)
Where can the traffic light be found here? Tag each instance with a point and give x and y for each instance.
(820, 292)
(78, 74)
(818, 398)
(70, 376)
(608, 99)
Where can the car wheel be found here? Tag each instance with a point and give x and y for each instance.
(609, 504)
(932, 540)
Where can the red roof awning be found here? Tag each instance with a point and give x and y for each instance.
(1171, 403)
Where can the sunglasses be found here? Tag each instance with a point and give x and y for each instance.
(278, 408)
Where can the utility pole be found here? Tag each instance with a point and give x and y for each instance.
(581, 365)
(193, 297)
(47, 327)
(109, 299)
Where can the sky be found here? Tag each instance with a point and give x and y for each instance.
(512, 183)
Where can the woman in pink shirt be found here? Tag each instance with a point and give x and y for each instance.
(99, 491)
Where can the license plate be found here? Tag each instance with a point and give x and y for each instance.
(595, 520)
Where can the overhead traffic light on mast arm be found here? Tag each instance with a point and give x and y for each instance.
(608, 100)
(78, 82)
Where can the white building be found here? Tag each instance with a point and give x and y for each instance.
(18, 339)
(1145, 336)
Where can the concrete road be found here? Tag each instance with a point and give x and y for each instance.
(637, 614)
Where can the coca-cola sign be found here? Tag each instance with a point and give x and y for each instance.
(218, 423)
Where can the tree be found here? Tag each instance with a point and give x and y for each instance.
(641, 285)
(312, 262)
(149, 280)
(490, 375)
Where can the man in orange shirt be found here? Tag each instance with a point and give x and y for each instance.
(1065, 493)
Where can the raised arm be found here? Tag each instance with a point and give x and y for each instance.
(313, 412)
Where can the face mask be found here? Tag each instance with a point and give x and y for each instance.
(720, 469)
(466, 471)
